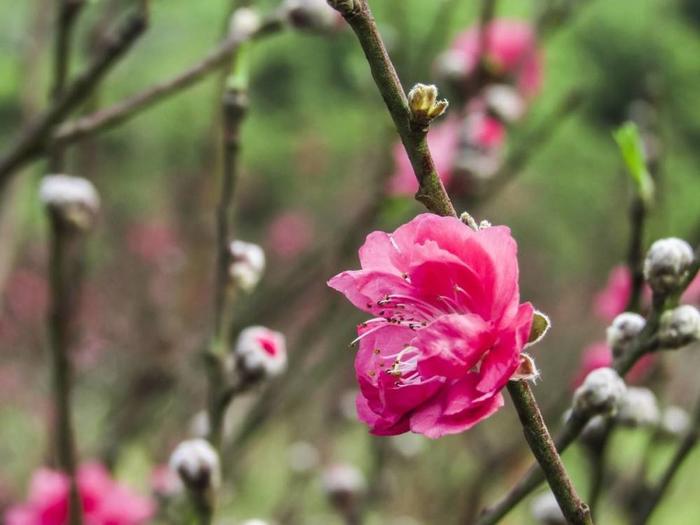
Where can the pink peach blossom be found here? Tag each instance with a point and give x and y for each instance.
(511, 53)
(448, 326)
(289, 234)
(104, 502)
(598, 355)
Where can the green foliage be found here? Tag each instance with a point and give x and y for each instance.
(631, 147)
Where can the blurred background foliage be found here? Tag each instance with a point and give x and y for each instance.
(316, 138)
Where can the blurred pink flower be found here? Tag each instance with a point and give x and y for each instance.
(152, 242)
(289, 234)
(104, 501)
(448, 327)
(598, 355)
(692, 293)
(511, 53)
(612, 300)
(477, 130)
(26, 295)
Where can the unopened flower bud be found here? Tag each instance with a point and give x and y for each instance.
(638, 407)
(623, 331)
(675, 421)
(600, 392)
(452, 67)
(311, 15)
(197, 463)
(73, 200)
(680, 326)
(667, 264)
(344, 485)
(247, 264)
(343, 6)
(546, 511)
(260, 353)
(245, 21)
(424, 105)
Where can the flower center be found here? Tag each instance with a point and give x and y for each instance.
(268, 346)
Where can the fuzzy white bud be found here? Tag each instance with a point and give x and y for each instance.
(600, 392)
(505, 101)
(311, 15)
(638, 407)
(260, 352)
(623, 331)
(546, 511)
(247, 264)
(342, 482)
(244, 22)
(680, 326)
(197, 464)
(74, 199)
(667, 264)
(675, 421)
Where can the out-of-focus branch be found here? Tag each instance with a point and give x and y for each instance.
(66, 17)
(686, 446)
(544, 450)
(646, 342)
(120, 112)
(36, 137)
(431, 190)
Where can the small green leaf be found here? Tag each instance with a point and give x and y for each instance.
(632, 149)
(540, 326)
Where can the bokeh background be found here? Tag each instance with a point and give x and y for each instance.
(316, 151)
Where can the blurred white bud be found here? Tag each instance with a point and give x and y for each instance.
(247, 264)
(197, 463)
(638, 407)
(675, 421)
(600, 392)
(546, 511)
(452, 66)
(260, 352)
(311, 15)
(680, 326)
(505, 101)
(74, 199)
(344, 484)
(244, 22)
(667, 264)
(302, 457)
(424, 104)
(623, 331)
(594, 429)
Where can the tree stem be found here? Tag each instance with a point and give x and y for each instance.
(431, 192)
(544, 450)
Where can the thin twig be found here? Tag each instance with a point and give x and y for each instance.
(64, 269)
(686, 446)
(544, 450)
(120, 112)
(66, 17)
(431, 192)
(646, 342)
(33, 141)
